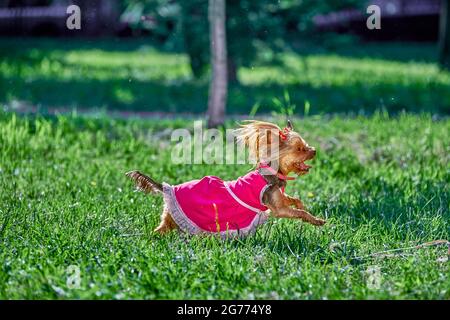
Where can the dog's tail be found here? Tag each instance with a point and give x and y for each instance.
(144, 183)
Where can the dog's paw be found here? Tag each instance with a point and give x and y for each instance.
(318, 222)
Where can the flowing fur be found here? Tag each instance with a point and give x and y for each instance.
(262, 140)
(144, 183)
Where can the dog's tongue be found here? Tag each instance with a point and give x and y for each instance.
(304, 167)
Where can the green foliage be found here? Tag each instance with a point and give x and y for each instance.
(284, 107)
(158, 16)
(195, 28)
(381, 182)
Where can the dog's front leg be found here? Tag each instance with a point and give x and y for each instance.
(292, 213)
(295, 202)
(279, 204)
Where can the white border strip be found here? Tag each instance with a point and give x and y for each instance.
(261, 194)
(177, 213)
(242, 203)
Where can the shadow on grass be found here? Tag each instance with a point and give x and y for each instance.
(191, 96)
(398, 51)
(387, 208)
(170, 94)
(47, 45)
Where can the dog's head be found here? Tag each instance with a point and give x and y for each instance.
(284, 147)
(294, 151)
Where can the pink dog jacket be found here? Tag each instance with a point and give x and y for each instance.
(211, 205)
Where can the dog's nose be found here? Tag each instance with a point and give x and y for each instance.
(313, 151)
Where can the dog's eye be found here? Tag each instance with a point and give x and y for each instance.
(300, 149)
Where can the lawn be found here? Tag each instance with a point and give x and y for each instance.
(133, 75)
(381, 182)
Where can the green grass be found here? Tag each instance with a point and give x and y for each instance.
(132, 75)
(381, 182)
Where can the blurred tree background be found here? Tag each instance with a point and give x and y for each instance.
(154, 56)
(251, 26)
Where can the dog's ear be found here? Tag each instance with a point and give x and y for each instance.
(289, 125)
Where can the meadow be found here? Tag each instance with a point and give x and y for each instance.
(380, 181)
(133, 75)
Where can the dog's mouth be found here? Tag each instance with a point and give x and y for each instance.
(302, 167)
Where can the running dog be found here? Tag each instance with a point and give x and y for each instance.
(211, 205)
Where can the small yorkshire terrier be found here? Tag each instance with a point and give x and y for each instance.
(238, 207)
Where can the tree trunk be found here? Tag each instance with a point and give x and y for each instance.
(219, 82)
(445, 35)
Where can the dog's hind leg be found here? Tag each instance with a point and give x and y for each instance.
(167, 223)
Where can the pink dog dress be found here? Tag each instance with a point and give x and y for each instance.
(211, 205)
